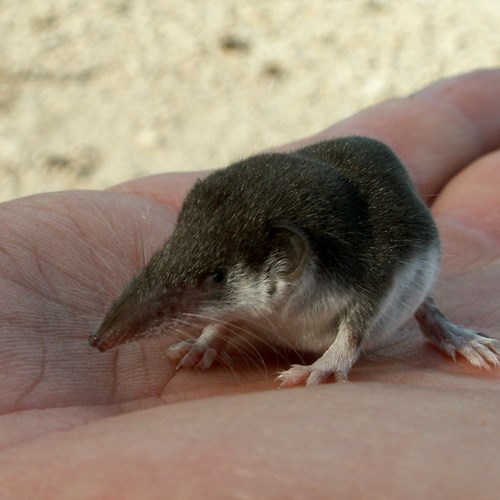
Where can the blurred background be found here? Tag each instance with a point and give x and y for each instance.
(95, 92)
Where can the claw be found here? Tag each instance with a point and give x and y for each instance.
(178, 351)
(479, 349)
(199, 353)
(295, 375)
(310, 375)
(207, 360)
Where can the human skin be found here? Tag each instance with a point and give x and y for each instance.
(411, 423)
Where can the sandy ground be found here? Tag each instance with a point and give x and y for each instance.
(94, 92)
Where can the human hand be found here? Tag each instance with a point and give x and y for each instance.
(64, 256)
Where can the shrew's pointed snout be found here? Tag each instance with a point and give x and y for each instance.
(100, 343)
(137, 313)
(108, 337)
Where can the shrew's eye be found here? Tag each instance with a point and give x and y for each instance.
(218, 276)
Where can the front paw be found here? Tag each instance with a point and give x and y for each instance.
(310, 375)
(192, 354)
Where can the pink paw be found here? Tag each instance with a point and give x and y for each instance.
(311, 375)
(479, 350)
(192, 354)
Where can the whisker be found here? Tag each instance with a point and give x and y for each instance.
(275, 332)
(246, 335)
(250, 352)
(235, 344)
(142, 249)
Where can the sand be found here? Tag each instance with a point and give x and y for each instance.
(95, 92)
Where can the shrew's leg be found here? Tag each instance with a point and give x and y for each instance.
(477, 348)
(200, 352)
(337, 360)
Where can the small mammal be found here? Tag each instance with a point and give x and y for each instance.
(318, 250)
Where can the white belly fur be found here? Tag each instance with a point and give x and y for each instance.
(410, 288)
(312, 331)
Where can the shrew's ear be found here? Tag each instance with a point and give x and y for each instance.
(294, 245)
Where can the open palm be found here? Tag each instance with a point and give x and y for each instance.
(64, 256)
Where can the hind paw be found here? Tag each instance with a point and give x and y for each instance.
(480, 350)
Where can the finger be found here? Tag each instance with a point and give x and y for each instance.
(436, 132)
(331, 441)
(63, 256)
(473, 197)
(168, 189)
(468, 213)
